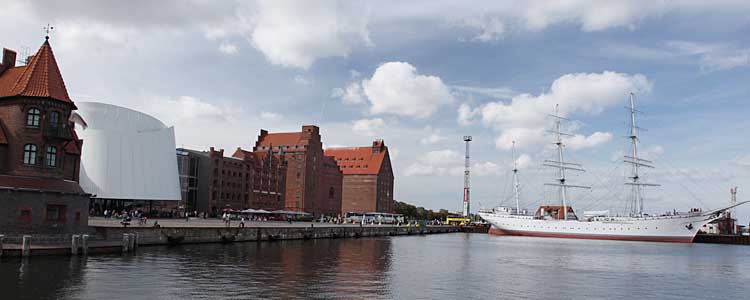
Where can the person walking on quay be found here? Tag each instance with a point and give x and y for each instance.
(242, 222)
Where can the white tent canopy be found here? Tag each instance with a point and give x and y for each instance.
(126, 154)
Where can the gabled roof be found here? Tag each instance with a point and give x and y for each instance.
(40, 78)
(358, 160)
(281, 139)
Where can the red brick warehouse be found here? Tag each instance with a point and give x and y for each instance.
(313, 180)
(368, 177)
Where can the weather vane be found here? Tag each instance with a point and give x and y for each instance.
(47, 29)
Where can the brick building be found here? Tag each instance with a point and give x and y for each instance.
(368, 177)
(39, 149)
(313, 180)
(211, 182)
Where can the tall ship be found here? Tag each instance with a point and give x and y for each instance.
(560, 221)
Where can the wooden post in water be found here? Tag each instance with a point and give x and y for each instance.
(26, 246)
(125, 242)
(74, 240)
(131, 242)
(85, 244)
(2, 239)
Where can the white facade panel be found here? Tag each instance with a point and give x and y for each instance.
(126, 154)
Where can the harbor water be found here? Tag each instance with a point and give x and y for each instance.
(442, 266)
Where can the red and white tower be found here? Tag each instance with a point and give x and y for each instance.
(467, 178)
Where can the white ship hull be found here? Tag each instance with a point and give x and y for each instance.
(681, 229)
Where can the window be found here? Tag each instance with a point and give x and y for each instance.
(29, 154)
(55, 213)
(51, 158)
(25, 216)
(32, 117)
(54, 119)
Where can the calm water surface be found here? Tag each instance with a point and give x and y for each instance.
(445, 266)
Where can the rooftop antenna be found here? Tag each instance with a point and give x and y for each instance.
(467, 179)
(561, 164)
(636, 162)
(515, 177)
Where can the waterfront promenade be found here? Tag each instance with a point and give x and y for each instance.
(213, 222)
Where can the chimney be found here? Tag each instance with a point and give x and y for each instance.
(9, 60)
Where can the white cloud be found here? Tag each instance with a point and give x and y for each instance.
(651, 152)
(296, 34)
(438, 162)
(580, 141)
(490, 29)
(712, 57)
(742, 160)
(302, 80)
(485, 168)
(432, 136)
(524, 118)
(270, 116)
(498, 93)
(228, 48)
(352, 94)
(466, 114)
(369, 127)
(186, 109)
(397, 88)
(523, 161)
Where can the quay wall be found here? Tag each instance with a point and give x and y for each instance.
(193, 235)
(115, 239)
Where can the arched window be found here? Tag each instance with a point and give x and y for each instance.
(29, 154)
(51, 158)
(32, 117)
(54, 119)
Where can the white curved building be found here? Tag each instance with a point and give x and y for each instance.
(128, 155)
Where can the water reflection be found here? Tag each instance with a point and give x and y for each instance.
(448, 266)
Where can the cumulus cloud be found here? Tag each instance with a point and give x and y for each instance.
(296, 34)
(580, 141)
(437, 162)
(432, 136)
(397, 88)
(270, 116)
(369, 127)
(228, 48)
(485, 168)
(523, 161)
(352, 94)
(187, 109)
(523, 119)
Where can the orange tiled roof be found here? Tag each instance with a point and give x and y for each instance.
(40, 78)
(358, 160)
(281, 139)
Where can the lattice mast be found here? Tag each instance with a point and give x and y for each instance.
(560, 164)
(636, 163)
(515, 178)
(467, 177)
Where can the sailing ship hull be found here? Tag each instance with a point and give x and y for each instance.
(676, 229)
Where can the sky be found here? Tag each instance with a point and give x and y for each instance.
(423, 74)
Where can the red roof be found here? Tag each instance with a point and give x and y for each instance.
(40, 78)
(282, 139)
(359, 160)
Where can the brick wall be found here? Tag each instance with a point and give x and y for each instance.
(25, 212)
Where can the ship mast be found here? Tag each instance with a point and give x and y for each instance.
(515, 178)
(561, 165)
(636, 163)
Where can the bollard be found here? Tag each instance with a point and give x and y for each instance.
(131, 242)
(125, 242)
(74, 240)
(85, 244)
(26, 246)
(2, 239)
